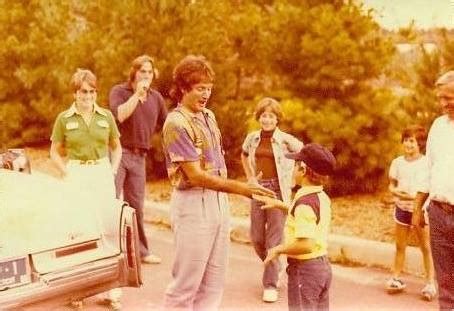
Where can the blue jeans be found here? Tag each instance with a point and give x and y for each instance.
(266, 231)
(308, 284)
(130, 181)
(442, 244)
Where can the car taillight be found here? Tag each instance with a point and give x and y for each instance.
(130, 246)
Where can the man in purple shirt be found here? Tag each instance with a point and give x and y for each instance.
(139, 110)
(199, 205)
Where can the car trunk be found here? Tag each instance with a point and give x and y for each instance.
(58, 230)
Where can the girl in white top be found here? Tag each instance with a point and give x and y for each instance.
(404, 174)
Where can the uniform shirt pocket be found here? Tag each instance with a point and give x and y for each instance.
(72, 125)
(103, 123)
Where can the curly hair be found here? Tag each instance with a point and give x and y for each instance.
(191, 70)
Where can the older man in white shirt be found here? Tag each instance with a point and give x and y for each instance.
(439, 186)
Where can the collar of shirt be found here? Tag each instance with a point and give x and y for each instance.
(277, 136)
(447, 120)
(73, 110)
(190, 113)
(305, 190)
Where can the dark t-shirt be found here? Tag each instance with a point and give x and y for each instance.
(264, 156)
(136, 131)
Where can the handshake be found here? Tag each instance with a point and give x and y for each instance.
(270, 202)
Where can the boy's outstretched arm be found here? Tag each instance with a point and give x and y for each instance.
(298, 247)
(270, 202)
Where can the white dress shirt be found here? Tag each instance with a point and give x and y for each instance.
(440, 155)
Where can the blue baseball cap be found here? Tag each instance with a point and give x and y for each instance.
(317, 157)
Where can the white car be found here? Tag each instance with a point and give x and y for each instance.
(54, 247)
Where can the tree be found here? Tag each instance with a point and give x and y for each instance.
(33, 68)
(330, 56)
(324, 59)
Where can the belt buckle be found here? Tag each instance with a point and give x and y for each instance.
(88, 162)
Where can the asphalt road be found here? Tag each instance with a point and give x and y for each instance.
(353, 288)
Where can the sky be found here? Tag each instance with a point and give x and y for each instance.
(393, 14)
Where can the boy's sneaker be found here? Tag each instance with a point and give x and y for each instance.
(270, 295)
(395, 285)
(429, 291)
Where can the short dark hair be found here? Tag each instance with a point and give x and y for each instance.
(137, 63)
(419, 133)
(272, 104)
(80, 76)
(191, 70)
(316, 178)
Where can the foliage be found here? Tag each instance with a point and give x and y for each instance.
(331, 62)
(420, 106)
(323, 59)
(33, 68)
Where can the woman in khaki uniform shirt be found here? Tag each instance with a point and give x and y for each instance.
(82, 138)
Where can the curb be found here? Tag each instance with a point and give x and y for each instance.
(341, 249)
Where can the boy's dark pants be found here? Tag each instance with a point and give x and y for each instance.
(308, 284)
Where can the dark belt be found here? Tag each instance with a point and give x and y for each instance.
(291, 260)
(448, 208)
(138, 151)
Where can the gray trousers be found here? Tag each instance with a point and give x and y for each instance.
(130, 181)
(266, 231)
(308, 284)
(442, 245)
(200, 222)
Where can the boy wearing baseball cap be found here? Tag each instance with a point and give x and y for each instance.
(306, 230)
